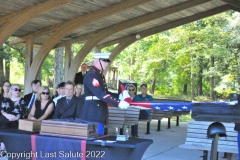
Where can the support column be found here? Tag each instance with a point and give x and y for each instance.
(28, 62)
(67, 61)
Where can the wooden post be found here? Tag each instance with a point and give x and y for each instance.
(67, 61)
(28, 62)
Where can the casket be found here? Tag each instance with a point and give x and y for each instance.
(29, 125)
(69, 128)
(221, 112)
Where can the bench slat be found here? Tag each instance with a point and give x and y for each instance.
(197, 137)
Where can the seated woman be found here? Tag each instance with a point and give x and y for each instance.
(43, 106)
(12, 108)
(131, 90)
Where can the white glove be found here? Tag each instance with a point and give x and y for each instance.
(120, 97)
(125, 94)
(123, 105)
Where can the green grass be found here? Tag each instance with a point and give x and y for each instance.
(183, 118)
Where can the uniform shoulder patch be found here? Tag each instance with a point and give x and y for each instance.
(95, 83)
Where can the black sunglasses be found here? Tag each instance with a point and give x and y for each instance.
(131, 90)
(47, 93)
(16, 89)
(105, 60)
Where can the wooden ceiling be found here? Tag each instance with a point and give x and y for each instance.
(76, 21)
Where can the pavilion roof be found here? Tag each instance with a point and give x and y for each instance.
(86, 18)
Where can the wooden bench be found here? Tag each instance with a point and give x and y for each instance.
(131, 116)
(197, 139)
(159, 115)
(116, 118)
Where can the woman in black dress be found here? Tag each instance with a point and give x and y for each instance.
(43, 106)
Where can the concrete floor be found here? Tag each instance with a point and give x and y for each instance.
(166, 142)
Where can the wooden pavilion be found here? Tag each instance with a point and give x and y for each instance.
(94, 23)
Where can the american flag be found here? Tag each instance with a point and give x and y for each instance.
(163, 106)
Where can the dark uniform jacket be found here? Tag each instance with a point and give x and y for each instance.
(79, 78)
(72, 110)
(95, 85)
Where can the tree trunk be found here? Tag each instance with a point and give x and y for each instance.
(200, 91)
(192, 79)
(48, 80)
(1, 71)
(7, 69)
(212, 78)
(185, 89)
(58, 66)
(39, 75)
(153, 86)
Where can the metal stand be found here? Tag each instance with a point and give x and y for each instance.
(148, 128)
(214, 147)
(169, 123)
(177, 121)
(159, 125)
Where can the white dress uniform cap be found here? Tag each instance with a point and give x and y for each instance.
(102, 55)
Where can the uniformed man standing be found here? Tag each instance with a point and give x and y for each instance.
(96, 93)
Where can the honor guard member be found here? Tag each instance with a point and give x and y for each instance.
(97, 95)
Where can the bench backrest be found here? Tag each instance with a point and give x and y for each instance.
(197, 136)
(116, 117)
(162, 114)
(131, 116)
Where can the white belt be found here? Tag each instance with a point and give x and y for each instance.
(91, 98)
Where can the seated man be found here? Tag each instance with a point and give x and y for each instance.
(30, 98)
(60, 91)
(70, 106)
(144, 114)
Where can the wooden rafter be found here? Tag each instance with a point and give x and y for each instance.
(100, 35)
(14, 22)
(78, 21)
(234, 3)
(68, 26)
(138, 20)
(128, 40)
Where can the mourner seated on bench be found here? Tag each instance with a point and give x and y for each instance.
(69, 106)
(144, 114)
(43, 107)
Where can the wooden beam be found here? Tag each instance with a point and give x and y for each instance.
(100, 35)
(234, 3)
(235, 9)
(112, 42)
(141, 19)
(73, 24)
(25, 15)
(128, 40)
(120, 47)
(83, 19)
(170, 25)
(67, 60)
(28, 61)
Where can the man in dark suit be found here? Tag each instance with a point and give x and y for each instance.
(80, 75)
(30, 98)
(70, 106)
